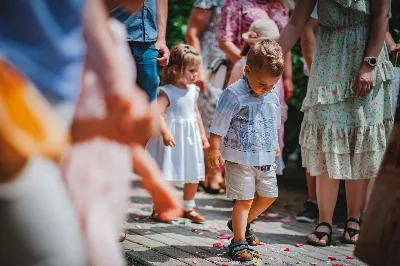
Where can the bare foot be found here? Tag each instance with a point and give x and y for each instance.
(167, 203)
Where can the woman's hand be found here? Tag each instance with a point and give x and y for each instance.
(205, 142)
(215, 159)
(394, 48)
(364, 81)
(288, 85)
(168, 139)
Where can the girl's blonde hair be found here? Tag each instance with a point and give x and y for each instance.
(181, 56)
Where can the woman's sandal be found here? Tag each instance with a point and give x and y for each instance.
(352, 232)
(251, 238)
(240, 251)
(207, 189)
(321, 235)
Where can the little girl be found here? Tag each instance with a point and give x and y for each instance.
(179, 149)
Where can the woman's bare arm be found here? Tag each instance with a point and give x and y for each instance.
(297, 22)
(231, 50)
(198, 22)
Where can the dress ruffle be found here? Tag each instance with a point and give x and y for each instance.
(360, 5)
(342, 166)
(338, 92)
(345, 140)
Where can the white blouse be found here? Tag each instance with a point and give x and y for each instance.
(249, 125)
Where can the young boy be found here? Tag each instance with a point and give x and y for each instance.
(247, 120)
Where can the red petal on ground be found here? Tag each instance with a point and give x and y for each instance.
(349, 258)
(286, 249)
(262, 244)
(217, 244)
(193, 229)
(331, 258)
(298, 245)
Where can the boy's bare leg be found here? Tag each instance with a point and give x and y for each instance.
(240, 215)
(260, 204)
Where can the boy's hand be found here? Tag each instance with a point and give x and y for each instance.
(278, 151)
(168, 139)
(205, 142)
(215, 159)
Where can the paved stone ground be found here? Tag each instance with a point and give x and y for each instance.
(183, 243)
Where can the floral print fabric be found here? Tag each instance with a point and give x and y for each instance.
(237, 15)
(344, 136)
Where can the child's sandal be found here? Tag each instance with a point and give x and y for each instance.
(320, 235)
(352, 232)
(240, 251)
(251, 238)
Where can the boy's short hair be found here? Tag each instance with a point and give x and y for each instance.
(266, 55)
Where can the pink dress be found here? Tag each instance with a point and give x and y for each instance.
(97, 171)
(236, 17)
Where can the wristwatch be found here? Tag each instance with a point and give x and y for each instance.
(372, 61)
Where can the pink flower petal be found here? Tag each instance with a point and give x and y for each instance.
(286, 249)
(298, 245)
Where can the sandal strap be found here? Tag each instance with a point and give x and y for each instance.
(238, 247)
(249, 231)
(354, 220)
(324, 224)
(352, 232)
(251, 238)
(320, 235)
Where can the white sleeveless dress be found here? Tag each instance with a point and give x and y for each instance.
(183, 163)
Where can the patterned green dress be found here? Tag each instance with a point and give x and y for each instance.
(344, 136)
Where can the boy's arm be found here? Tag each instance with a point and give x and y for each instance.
(214, 157)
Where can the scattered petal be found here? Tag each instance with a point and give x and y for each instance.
(349, 258)
(138, 226)
(331, 258)
(286, 249)
(286, 219)
(218, 244)
(298, 245)
(271, 215)
(193, 230)
(262, 244)
(223, 236)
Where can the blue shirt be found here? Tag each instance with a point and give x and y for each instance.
(141, 26)
(43, 38)
(248, 125)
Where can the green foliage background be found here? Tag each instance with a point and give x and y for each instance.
(179, 11)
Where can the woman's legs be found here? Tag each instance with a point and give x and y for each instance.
(356, 191)
(327, 192)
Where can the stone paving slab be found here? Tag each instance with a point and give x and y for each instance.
(184, 243)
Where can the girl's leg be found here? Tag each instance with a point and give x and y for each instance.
(260, 204)
(189, 193)
(356, 191)
(327, 191)
(240, 215)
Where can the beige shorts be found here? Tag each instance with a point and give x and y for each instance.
(243, 181)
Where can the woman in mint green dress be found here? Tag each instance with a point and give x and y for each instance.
(348, 108)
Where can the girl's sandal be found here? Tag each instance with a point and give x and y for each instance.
(251, 238)
(352, 232)
(240, 251)
(320, 235)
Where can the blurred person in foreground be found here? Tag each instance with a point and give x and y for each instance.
(35, 205)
